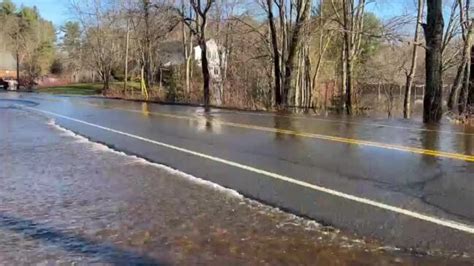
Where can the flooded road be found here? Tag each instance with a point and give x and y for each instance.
(393, 183)
(64, 199)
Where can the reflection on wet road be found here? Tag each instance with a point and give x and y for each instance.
(438, 184)
(283, 126)
(301, 126)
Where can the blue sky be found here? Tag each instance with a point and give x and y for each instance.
(58, 10)
(53, 10)
(393, 8)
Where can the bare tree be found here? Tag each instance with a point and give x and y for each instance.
(303, 10)
(99, 20)
(286, 45)
(187, 38)
(275, 54)
(197, 24)
(324, 39)
(127, 50)
(352, 24)
(146, 6)
(462, 82)
(451, 32)
(284, 57)
(411, 74)
(222, 16)
(432, 109)
(151, 22)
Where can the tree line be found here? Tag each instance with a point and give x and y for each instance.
(271, 54)
(31, 39)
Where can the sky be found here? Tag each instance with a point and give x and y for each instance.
(57, 11)
(53, 10)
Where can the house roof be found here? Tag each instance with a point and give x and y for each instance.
(209, 43)
(7, 61)
(171, 53)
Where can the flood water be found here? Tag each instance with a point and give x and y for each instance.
(64, 199)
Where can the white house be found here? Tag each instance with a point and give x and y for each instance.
(216, 57)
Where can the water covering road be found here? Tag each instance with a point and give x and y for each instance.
(66, 200)
(423, 170)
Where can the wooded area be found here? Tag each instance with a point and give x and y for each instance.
(296, 55)
(30, 38)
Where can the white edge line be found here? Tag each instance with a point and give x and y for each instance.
(104, 148)
(439, 221)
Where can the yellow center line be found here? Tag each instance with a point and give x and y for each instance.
(435, 153)
(334, 121)
(378, 125)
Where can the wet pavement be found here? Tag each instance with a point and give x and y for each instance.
(67, 200)
(423, 183)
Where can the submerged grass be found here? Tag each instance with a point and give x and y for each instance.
(83, 88)
(74, 89)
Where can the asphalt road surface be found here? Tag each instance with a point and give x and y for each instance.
(403, 183)
(66, 200)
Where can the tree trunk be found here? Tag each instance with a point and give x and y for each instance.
(353, 26)
(284, 29)
(348, 22)
(125, 83)
(466, 81)
(147, 44)
(187, 50)
(349, 86)
(462, 83)
(411, 74)
(276, 56)
(18, 69)
(453, 93)
(299, 83)
(106, 80)
(143, 82)
(470, 99)
(188, 69)
(432, 109)
(188, 53)
(342, 91)
(205, 72)
(307, 79)
(289, 88)
(466, 30)
(322, 52)
(200, 31)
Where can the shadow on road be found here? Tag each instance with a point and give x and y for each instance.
(11, 103)
(106, 253)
